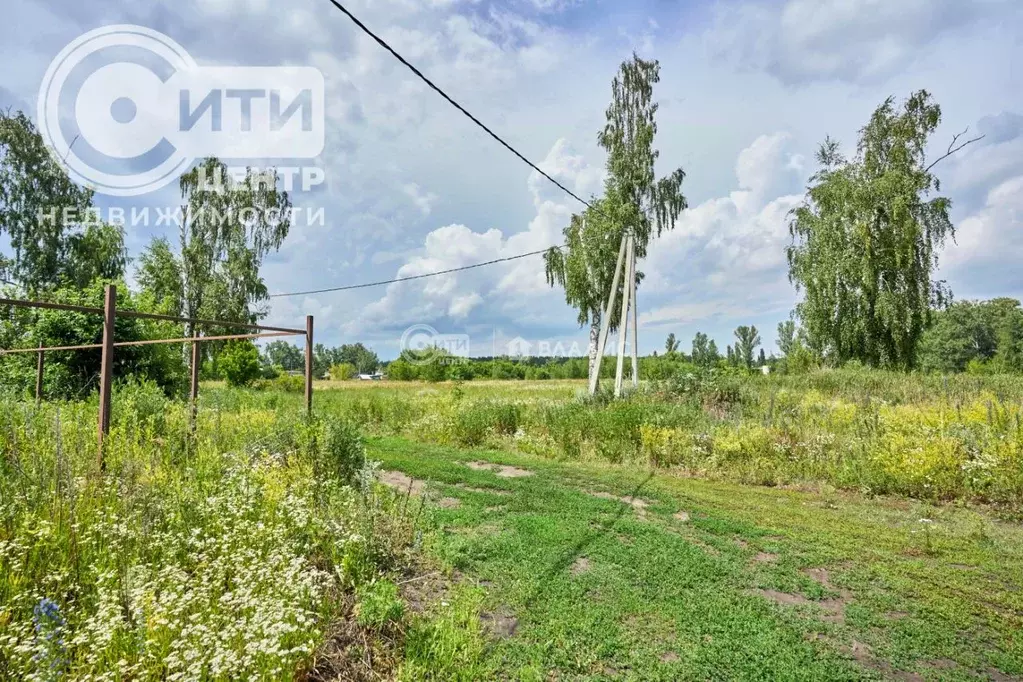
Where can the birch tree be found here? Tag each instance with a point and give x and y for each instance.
(634, 199)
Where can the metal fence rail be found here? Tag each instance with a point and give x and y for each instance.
(110, 313)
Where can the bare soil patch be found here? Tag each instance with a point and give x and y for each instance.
(449, 503)
(580, 566)
(784, 598)
(423, 591)
(863, 655)
(399, 481)
(499, 624)
(682, 516)
(833, 607)
(351, 652)
(502, 470)
(639, 505)
(354, 652)
(765, 558)
(490, 491)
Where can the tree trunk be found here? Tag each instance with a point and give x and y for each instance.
(594, 342)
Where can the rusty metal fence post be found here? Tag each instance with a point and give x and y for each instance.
(39, 375)
(109, 313)
(106, 365)
(309, 365)
(193, 392)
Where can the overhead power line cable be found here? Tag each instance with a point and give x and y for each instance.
(380, 41)
(413, 277)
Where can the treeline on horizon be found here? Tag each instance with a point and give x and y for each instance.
(865, 244)
(976, 337)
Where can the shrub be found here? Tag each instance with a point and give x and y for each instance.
(400, 370)
(342, 371)
(285, 383)
(138, 403)
(471, 426)
(239, 363)
(462, 371)
(342, 451)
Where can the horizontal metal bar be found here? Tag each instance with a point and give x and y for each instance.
(218, 323)
(190, 339)
(152, 342)
(51, 306)
(146, 316)
(54, 348)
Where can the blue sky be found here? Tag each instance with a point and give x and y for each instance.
(748, 91)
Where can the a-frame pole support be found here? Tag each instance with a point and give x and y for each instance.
(605, 320)
(623, 322)
(634, 315)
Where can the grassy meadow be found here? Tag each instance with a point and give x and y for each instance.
(839, 525)
(588, 571)
(260, 548)
(958, 438)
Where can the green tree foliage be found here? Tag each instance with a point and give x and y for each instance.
(786, 337)
(285, 355)
(986, 333)
(96, 251)
(55, 237)
(343, 371)
(357, 355)
(363, 359)
(228, 227)
(634, 199)
(400, 370)
(1009, 357)
(713, 355)
(746, 344)
(705, 351)
(239, 362)
(74, 374)
(671, 345)
(866, 241)
(159, 274)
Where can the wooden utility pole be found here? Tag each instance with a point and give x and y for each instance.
(309, 365)
(605, 320)
(623, 322)
(39, 375)
(629, 316)
(106, 366)
(634, 315)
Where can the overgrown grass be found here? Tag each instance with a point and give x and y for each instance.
(226, 556)
(928, 437)
(235, 553)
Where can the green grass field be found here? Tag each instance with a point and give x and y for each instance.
(842, 525)
(596, 572)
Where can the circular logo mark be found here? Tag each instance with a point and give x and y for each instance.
(116, 117)
(419, 344)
